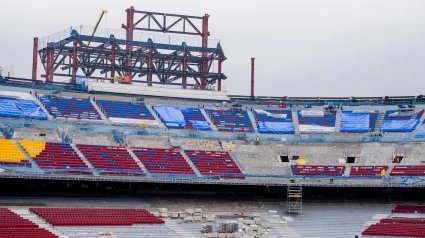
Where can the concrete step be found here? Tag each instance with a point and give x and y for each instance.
(26, 214)
(213, 127)
(34, 165)
(43, 108)
(178, 229)
(86, 161)
(102, 115)
(379, 122)
(338, 122)
(296, 122)
(137, 160)
(253, 121)
(192, 165)
(150, 108)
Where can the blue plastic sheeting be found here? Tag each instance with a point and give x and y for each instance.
(421, 131)
(21, 109)
(355, 122)
(200, 125)
(276, 127)
(171, 116)
(399, 125)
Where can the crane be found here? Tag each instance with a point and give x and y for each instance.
(97, 24)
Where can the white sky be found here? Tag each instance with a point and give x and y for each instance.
(302, 47)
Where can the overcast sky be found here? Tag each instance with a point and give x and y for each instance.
(302, 47)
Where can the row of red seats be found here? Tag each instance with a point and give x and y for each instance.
(14, 226)
(26, 233)
(409, 170)
(168, 161)
(408, 209)
(367, 171)
(109, 158)
(59, 156)
(317, 170)
(215, 163)
(395, 230)
(95, 216)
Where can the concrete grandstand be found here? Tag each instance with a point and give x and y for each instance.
(101, 138)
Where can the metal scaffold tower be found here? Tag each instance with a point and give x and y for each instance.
(294, 199)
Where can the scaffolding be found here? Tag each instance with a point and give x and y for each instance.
(294, 199)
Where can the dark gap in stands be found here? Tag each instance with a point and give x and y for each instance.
(351, 160)
(284, 158)
(107, 189)
(398, 159)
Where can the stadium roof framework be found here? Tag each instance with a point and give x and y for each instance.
(110, 56)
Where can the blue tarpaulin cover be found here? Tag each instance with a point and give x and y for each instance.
(399, 125)
(21, 108)
(355, 122)
(200, 125)
(171, 116)
(421, 131)
(276, 127)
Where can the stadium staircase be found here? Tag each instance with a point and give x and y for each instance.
(26, 214)
(253, 121)
(138, 162)
(34, 165)
(79, 153)
(102, 115)
(379, 122)
(338, 122)
(49, 116)
(212, 125)
(419, 124)
(296, 122)
(161, 124)
(192, 165)
(278, 226)
(237, 162)
(179, 230)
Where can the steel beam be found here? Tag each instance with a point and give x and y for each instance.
(219, 71)
(252, 76)
(34, 59)
(74, 62)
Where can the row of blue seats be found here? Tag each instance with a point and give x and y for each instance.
(124, 110)
(78, 108)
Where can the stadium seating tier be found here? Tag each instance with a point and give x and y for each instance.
(163, 161)
(233, 121)
(215, 163)
(11, 155)
(14, 226)
(111, 159)
(125, 110)
(76, 108)
(95, 216)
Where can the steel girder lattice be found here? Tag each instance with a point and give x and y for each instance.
(112, 57)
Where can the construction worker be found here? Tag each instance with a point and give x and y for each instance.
(257, 140)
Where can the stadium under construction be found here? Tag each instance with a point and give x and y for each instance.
(130, 133)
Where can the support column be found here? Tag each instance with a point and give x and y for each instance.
(219, 71)
(34, 59)
(205, 34)
(113, 60)
(74, 62)
(252, 77)
(49, 63)
(130, 29)
(150, 68)
(184, 79)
